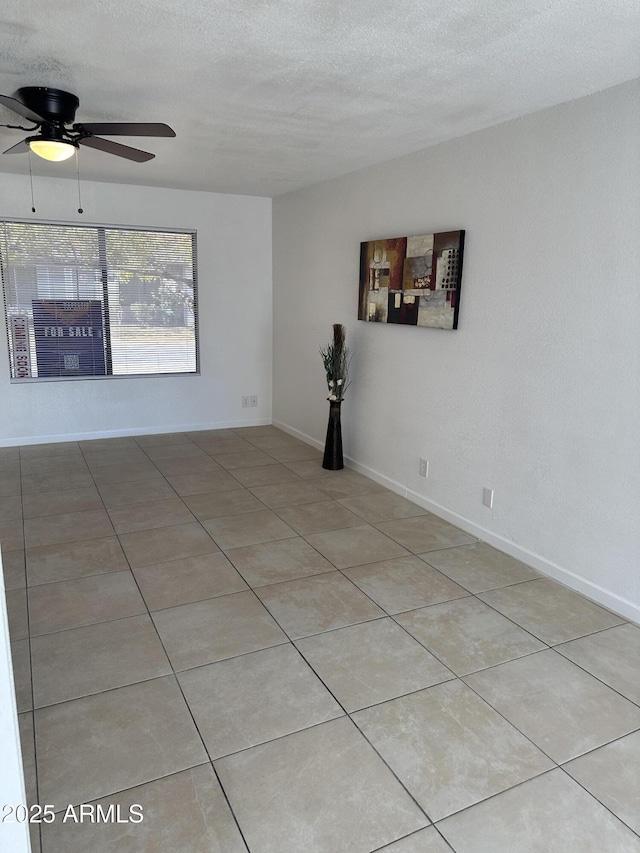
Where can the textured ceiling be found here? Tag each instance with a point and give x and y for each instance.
(267, 96)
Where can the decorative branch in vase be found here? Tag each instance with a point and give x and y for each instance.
(336, 358)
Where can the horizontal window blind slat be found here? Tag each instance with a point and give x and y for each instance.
(98, 300)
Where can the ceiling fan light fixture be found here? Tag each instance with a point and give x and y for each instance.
(53, 150)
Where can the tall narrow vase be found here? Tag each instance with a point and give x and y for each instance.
(333, 460)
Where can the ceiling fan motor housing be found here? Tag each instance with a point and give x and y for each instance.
(54, 105)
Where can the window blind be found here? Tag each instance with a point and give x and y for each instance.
(95, 301)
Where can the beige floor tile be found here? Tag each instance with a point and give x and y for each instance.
(550, 814)
(94, 658)
(119, 442)
(131, 473)
(83, 601)
(221, 504)
(425, 533)
(424, 841)
(175, 451)
(97, 459)
(11, 508)
(265, 475)
(21, 659)
(203, 482)
(271, 440)
(328, 791)
(67, 527)
(200, 435)
(274, 562)
(147, 547)
(295, 453)
(11, 535)
(10, 454)
(58, 448)
(162, 439)
(404, 583)
(34, 834)
(74, 559)
(28, 748)
(9, 466)
(187, 465)
(17, 614)
(185, 581)
(612, 775)
(612, 655)
(562, 709)
(383, 506)
(479, 567)
(98, 745)
(56, 503)
(215, 446)
(319, 603)
(319, 517)
(355, 546)
(449, 748)
(43, 482)
(13, 567)
(550, 611)
(467, 635)
(150, 515)
(216, 629)
(10, 484)
(242, 459)
(249, 528)
(53, 465)
(262, 429)
(288, 494)
(372, 662)
(346, 484)
(140, 491)
(182, 813)
(251, 699)
(311, 469)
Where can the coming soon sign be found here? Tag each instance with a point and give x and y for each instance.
(21, 351)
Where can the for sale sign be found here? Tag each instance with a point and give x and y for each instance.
(69, 337)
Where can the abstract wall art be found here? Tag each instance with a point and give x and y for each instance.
(414, 281)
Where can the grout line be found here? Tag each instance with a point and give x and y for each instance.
(33, 704)
(292, 642)
(184, 698)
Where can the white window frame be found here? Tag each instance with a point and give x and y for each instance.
(104, 267)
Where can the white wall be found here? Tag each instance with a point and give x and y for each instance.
(235, 303)
(537, 394)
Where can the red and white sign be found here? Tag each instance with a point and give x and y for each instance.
(21, 351)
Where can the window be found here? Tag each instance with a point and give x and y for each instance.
(95, 301)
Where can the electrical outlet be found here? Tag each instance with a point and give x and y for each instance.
(424, 467)
(254, 401)
(487, 498)
(246, 402)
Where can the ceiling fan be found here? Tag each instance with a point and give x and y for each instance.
(53, 113)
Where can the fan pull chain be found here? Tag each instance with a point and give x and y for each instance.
(80, 210)
(33, 205)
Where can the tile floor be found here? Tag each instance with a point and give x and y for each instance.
(271, 657)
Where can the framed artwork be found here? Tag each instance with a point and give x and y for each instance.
(414, 281)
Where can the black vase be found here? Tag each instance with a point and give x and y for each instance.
(333, 460)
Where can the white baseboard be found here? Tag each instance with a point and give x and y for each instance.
(123, 433)
(297, 434)
(596, 593)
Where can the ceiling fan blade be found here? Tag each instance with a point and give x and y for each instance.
(19, 148)
(116, 148)
(19, 107)
(127, 129)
